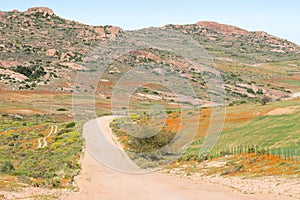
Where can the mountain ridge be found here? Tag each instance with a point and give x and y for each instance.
(206, 24)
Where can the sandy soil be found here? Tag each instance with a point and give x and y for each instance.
(21, 111)
(278, 187)
(282, 111)
(30, 193)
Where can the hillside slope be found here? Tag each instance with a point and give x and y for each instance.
(226, 41)
(40, 50)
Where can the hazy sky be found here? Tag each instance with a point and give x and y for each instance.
(277, 17)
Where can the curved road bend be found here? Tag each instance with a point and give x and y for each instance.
(98, 181)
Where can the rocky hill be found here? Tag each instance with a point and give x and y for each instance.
(239, 44)
(41, 50)
(37, 46)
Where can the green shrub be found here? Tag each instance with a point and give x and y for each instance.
(70, 125)
(250, 90)
(62, 109)
(32, 72)
(7, 167)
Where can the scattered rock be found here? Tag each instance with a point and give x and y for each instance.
(277, 51)
(52, 52)
(13, 75)
(7, 64)
(67, 56)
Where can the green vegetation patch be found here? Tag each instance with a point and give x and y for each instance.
(54, 165)
(293, 82)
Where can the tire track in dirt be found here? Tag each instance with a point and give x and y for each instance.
(42, 142)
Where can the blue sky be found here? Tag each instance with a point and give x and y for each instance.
(280, 18)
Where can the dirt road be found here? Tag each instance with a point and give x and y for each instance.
(98, 181)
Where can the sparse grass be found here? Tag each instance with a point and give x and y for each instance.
(293, 82)
(244, 124)
(249, 125)
(244, 165)
(53, 166)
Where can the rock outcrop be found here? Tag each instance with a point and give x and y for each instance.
(100, 32)
(7, 64)
(67, 56)
(51, 52)
(222, 28)
(107, 32)
(42, 10)
(2, 19)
